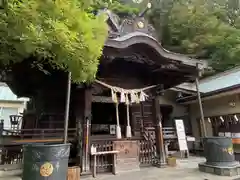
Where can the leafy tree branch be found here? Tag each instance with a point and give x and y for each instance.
(60, 33)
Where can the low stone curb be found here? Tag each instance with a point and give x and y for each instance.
(221, 171)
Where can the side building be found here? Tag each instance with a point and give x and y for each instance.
(221, 105)
(10, 105)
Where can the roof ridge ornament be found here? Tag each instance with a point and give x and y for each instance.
(137, 1)
(149, 6)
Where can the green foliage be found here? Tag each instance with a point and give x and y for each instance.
(61, 33)
(121, 9)
(205, 28)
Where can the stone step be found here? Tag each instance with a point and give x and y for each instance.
(11, 178)
(10, 170)
(8, 167)
(16, 172)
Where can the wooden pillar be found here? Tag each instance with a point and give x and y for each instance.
(118, 128)
(79, 113)
(158, 131)
(142, 117)
(200, 108)
(87, 129)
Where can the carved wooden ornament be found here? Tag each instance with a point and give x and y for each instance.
(46, 169)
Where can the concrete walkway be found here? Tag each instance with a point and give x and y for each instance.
(185, 170)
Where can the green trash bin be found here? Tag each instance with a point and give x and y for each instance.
(219, 151)
(45, 161)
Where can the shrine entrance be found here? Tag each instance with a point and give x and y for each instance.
(166, 111)
(104, 119)
(133, 71)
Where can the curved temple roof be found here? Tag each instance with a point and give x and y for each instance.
(133, 43)
(136, 30)
(143, 38)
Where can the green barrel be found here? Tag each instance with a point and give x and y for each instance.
(218, 151)
(1, 127)
(45, 161)
(235, 130)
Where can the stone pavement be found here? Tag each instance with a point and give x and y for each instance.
(186, 169)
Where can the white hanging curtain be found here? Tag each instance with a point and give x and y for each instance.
(127, 96)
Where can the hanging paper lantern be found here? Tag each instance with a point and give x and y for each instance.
(235, 118)
(122, 98)
(137, 98)
(142, 96)
(132, 97)
(114, 96)
(127, 99)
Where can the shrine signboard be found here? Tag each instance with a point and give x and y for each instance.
(128, 156)
(182, 140)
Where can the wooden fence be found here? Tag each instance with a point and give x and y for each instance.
(104, 162)
(10, 154)
(12, 141)
(11, 148)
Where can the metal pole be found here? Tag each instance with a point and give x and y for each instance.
(67, 108)
(200, 107)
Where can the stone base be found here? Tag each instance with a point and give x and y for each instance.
(218, 170)
(237, 156)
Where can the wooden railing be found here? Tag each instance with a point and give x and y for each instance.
(147, 153)
(13, 154)
(150, 137)
(12, 141)
(148, 150)
(104, 162)
(168, 132)
(10, 154)
(36, 134)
